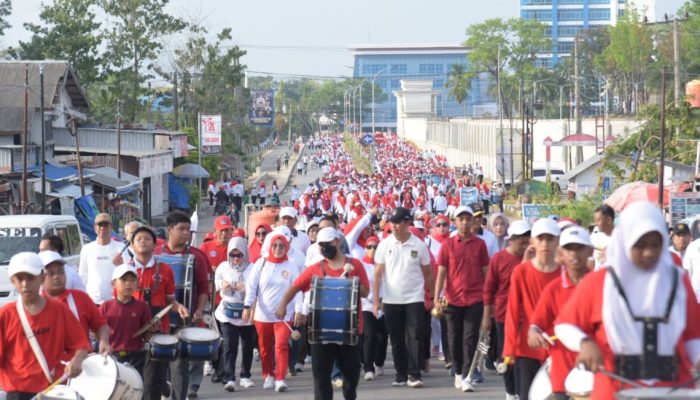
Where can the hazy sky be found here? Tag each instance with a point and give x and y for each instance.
(320, 30)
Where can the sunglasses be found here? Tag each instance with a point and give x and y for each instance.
(236, 255)
(442, 225)
(103, 223)
(278, 246)
(261, 234)
(371, 247)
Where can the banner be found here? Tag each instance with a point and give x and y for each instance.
(468, 195)
(684, 206)
(532, 212)
(210, 133)
(262, 107)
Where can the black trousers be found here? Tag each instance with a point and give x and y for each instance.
(463, 325)
(232, 335)
(136, 359)
(237, 200)
(427, 329)
(19, 396)
(374, 341)
(525, 371)
(509, 376)
(445, 341)
(154, 375)
(405, 324)
(346, 357)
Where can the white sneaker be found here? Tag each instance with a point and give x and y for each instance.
(307, 360)
(208, 369)
(511, 396)
(379, 371)
(338, 382)
(230, 386)
(467, 386)
(256, 355)
(298, 367)
(458, 381)
(280, 386)
(247, 383)
(369, 376)
(415, 383)
(269, 382)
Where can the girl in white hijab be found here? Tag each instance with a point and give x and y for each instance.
(602, 320)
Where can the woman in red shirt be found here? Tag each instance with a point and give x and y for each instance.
(638, 317)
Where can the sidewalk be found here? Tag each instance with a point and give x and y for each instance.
(267, 171)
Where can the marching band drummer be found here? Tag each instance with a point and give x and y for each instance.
(24, 369)
(346, 356)
(230, 279)
(637, 317)
(272, 276)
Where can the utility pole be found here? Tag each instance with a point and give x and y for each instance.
(289, 122)
(676, 69)
(119, 140)
(500, 120)
(523, 138)
(176, 125)
(25, 139)
(663, 138)
(577, 87)
(43, 139)
(360, 109)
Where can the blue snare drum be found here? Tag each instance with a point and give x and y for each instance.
(233, 310)
(183, 274)
(198, 344)
(163, 347)
(334, 311)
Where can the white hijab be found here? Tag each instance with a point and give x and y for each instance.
(647, 291)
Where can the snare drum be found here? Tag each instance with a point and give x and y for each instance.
(233, 310)
(62, 392)
(198, 344)
(163, 347)
(334, 316)
(579, 384)
(541, 387)
(658, 393)
(105, 378)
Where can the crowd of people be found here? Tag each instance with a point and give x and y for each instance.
(435, 276)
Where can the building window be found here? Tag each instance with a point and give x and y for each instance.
(565, 47)
(570, 15)
(599, 14)
(543, 63)
(548, 31)
(395, 84)
(371, 69)
(620, 13)
(539, 15)
(438, 84)
(537, 2)
(568, 30)
(599, 1)
(430, 68)
(570, 2)
(398, 69)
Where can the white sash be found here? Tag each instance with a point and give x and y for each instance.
(36, 348)
(73, 308)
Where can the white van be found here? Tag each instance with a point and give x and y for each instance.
(23, 233)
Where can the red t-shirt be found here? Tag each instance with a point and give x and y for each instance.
(526, 285)
(553, 298)
(88, 313)
(58, 335)
(464, 260)
(215, 252)
(585, 310)
(497, 282)
(146, 279)
(124, 320)
(303, 281)
(201, 271)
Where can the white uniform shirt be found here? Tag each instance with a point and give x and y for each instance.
(691, 263)
(600, 242)
(226, 272)
(403, 281)
(96, 269)
(267, 285)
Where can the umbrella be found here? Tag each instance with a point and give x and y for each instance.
(640, 191)
(190, 171)
(577, 139)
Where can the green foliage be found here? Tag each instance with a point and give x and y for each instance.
(5, 11)
(360, 158)
(459, 82)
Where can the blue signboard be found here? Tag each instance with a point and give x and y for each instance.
(468, 195)
(367, 139)
(535, 211)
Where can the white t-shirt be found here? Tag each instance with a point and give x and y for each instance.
(691, 263)
(600, 242)
(96, 269)
(403, 281)
(266, 286)
(73, 280)
(226, 272)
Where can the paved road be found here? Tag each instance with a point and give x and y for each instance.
(438, 383)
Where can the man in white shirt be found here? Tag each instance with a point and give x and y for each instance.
(294, 196)
(604, 218)
(300, 240)
(440, 203)
(680, 239)
(51, 242)
(98, 260)
(691, 263)
(402, 269)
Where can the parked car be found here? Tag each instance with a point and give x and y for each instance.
(23, 233)
(540, 174)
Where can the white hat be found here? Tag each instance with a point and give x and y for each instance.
(314, 221)
(463, 209)
(575, 235)
(418, 224)
(25, 261)
(327, 234)
(545, 226)
(123, 269)
(288, 212)
(48, 256)
(519, 227)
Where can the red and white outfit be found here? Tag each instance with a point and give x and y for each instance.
(598, 311)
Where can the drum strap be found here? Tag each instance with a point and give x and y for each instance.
(36, 347)
(71, 305)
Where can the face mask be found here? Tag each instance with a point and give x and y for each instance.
(329, 252)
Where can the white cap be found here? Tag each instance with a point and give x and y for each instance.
(48, 256)
(518, 227)
(545, 226)
(25, 261)
(327, 234)
(311, 223)
(418, 224)
(575, 235)
(123, 269)
(288, 212)
(463, 209)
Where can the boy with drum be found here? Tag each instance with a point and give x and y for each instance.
(575, 247)
(347, 356)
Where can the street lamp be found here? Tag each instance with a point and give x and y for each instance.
(373, 105)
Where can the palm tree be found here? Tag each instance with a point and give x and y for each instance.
(459, 83)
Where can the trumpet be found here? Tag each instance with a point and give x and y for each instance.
(439, 312)
(482, 349)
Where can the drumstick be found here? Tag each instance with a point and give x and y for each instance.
(296, 335)
(683, 384)
(619, 378)
(51, 386)
(347, 268)
(549, 339)
(502, 367)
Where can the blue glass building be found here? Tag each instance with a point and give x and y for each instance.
(393, 63)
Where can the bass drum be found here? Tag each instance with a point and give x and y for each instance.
(62, 392)
(541, 388)
(658, 393)
(103, 378)
(579, 384)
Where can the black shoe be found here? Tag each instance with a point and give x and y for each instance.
(166, 391)
(215, 378)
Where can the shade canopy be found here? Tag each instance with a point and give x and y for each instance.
(190, 171)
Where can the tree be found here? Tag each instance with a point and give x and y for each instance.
(459, 82)
(5, 11)
(67, 31)
(133, 42)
